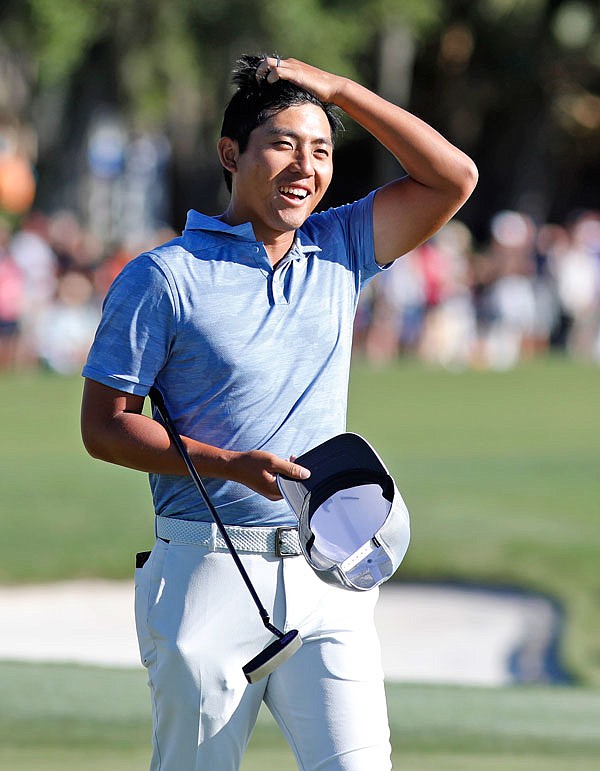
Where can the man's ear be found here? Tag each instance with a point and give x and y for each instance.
(228, 153)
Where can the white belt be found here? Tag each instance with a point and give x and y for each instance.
(281, 541)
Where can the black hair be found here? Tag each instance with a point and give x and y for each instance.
(255, 101)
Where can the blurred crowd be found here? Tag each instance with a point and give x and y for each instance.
(450, 303)
(54, 274)
(455, 304)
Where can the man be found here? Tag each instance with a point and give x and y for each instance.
(245, 324)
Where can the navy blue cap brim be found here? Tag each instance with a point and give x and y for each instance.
(333, 458)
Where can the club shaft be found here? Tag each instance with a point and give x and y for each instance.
(159, 403)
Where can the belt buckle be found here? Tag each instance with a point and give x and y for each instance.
(279, 542)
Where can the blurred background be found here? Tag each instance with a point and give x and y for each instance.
(110, 112)
(476, 358)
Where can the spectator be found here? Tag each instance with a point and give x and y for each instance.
(449, 331)
(12, 298)
(65, 327)
(448, 303)
(577, 272)
(509, 336)
(32, 253)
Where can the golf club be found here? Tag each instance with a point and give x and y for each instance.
(287, 643)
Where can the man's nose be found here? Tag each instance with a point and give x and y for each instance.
(304, 162)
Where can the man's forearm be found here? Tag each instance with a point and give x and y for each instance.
(428, 158)
(138, 442)
(115, 430)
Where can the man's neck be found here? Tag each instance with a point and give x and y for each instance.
(277, 245)
(278, 248)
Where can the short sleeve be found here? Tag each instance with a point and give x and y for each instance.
(347, 232)
(136, 331)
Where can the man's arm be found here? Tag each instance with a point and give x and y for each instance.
(440, 177)
(115, 430)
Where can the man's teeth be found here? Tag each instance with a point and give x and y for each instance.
(297, 191)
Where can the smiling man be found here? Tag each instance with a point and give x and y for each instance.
(244, 323)
(281, 175)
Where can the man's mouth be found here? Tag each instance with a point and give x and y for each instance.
(295, 193)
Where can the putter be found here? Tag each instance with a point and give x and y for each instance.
(287, 643)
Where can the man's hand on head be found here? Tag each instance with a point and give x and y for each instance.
(324, 85)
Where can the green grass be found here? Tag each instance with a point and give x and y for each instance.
(499, 470)
(500, 473)
(59, 508)
(90, 719)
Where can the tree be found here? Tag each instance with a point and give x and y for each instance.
(164, 66)
(513, 82)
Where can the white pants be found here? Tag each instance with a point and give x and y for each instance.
(198, 625)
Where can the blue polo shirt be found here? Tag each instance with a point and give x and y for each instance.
(247, 357)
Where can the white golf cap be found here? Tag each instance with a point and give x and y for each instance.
(353, 524)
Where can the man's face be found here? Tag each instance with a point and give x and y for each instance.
(284, 171)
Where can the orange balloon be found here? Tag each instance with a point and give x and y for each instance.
(17, 184)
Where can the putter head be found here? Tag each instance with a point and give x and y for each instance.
(274, 654)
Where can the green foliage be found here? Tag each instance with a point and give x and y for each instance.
(157, 46)
(156, 63)
(64, 30)
(330, 38)
(419, 17)
(503, 79)
(517, 9)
